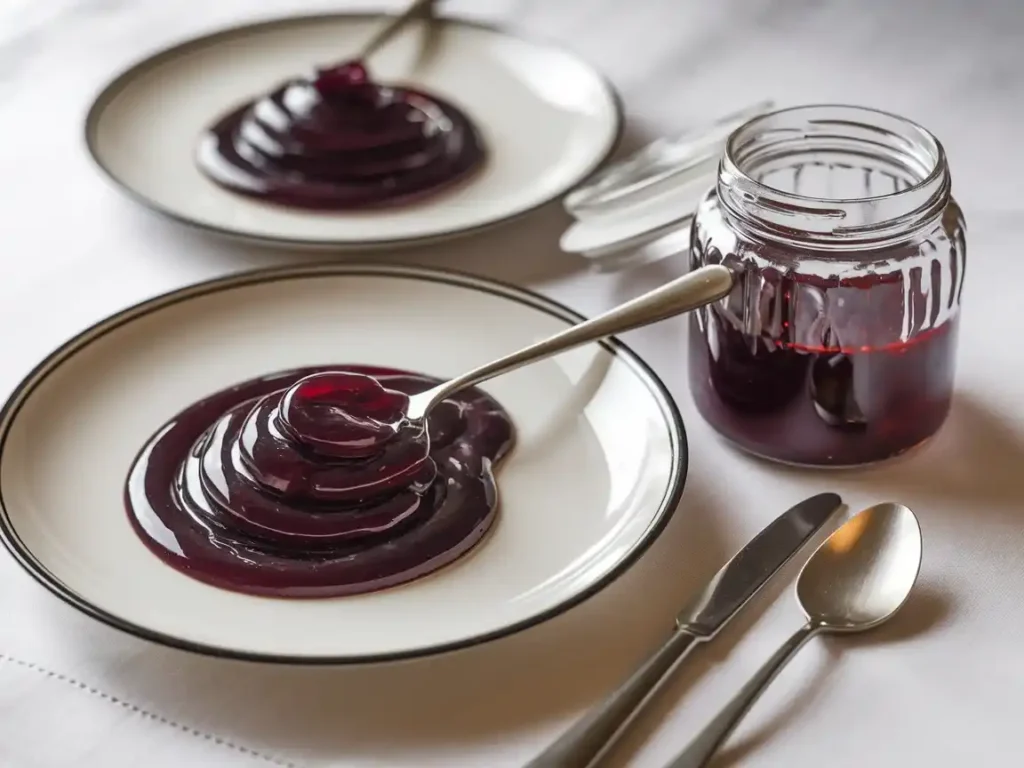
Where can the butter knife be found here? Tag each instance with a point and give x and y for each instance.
(730, 589)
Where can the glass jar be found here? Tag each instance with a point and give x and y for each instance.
(837, 344)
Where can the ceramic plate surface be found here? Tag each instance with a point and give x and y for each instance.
(596, 473)
(547, 117)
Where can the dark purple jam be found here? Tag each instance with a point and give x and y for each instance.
(311, 482)
(852, 397)
(340, 141)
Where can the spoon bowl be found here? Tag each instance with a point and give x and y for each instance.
(856, 580)
(864, 572)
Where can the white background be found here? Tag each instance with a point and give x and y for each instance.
(940, 686)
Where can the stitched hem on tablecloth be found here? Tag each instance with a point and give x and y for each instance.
(143, 713)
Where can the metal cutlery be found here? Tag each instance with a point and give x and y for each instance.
(730, 589)
(416, 9)
(857, 579)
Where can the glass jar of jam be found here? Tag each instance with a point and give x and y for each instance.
(837, 345)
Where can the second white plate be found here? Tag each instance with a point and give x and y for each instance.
(548, 119)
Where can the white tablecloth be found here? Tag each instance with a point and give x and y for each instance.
(940, 686)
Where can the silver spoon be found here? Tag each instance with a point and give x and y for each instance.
(857, 579)
(359, 414)
(416, 8)
(683, 294)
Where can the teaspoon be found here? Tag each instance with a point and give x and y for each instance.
(857, 579)
(415, 8)
(354, 414)
(700, 287)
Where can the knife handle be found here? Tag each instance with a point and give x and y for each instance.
(590, 737)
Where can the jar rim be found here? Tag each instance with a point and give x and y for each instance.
(926, 137)
(921, 187)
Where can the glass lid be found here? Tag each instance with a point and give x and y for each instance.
(656, 190)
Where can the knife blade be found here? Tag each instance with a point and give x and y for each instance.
(708, 612)
(750, 569)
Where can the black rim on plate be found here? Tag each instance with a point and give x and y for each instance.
(25, 557)
(115, 86)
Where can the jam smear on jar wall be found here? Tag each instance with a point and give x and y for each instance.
(279, 487)
(340, 141)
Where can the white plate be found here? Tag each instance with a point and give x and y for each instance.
(596, 472)
(548, 119)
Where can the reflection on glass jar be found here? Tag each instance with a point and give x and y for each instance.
(837, 345)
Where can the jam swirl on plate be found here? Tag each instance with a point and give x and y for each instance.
(311, 482)
(340, 141)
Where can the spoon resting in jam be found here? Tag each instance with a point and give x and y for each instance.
(338, 140)
(364, 411)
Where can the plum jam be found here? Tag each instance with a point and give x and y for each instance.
(837, 346)
(312, 483)
(340, 141)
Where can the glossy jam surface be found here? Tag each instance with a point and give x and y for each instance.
(835, 387)
(339, 141)
(310, 483)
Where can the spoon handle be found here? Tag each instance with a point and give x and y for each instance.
(714, 734)
(683, 294)
(593, 735)
(416, 7)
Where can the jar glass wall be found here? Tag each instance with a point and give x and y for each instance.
(837, 346)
